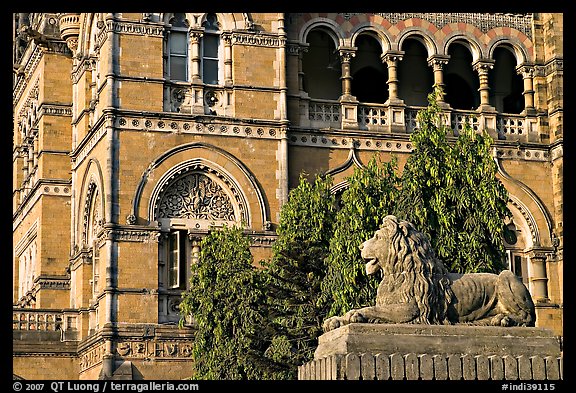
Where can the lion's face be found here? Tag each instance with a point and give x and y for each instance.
(375, 251)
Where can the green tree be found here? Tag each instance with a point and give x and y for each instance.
(295, 272)
(224, 300)
(450, 192)
(370, 196)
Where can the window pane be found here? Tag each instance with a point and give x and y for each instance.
(173, 260)
(211, 45)
(178, 68)
(210, 72)
(178, 43)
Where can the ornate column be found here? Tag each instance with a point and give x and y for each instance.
(227, 38)
(346, 55)
(391, 59)
(195, 248)
(437, 62)
(488, 112)
(482, 67)
(194, 56)
(531, 121)
(538, 280)
(349, 103)
(527, 72)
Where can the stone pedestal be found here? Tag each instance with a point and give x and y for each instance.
(406, 351)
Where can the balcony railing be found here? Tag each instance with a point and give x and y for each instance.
(403, 119)
(324, 113)
(511, 126)
(372, 117)
(44, 320)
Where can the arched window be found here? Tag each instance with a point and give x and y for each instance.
(461, 81)
(188, 204)
(178, 48)
(506, 86)
(321, 67)
(416, 78)
(369, 74)
(211, 50)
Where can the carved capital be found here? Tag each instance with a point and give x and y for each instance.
(438, 61)
(526, 70)
(482, 66)
(392, 57)
(346, 54)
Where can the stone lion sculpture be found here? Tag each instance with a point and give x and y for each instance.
(416, 287)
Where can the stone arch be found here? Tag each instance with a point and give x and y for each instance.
(420, 34)
(517, 49)
(467, 40)
(170, 198)
(223, 168)
(530, 206)
(382, 36)
(330, 27)
(91, 186)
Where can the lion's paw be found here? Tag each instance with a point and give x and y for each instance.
(357, 317)
(331, 324)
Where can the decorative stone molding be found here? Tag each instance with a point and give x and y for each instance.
(70, 29)
(55, 110)
(81, 152)
(92, 357)
(483, 21)
(135, 28)
(154, 349)
(418, 366)
(135, 122)
(131, 235)
(259, 39)
(42, 187)
(62, 283)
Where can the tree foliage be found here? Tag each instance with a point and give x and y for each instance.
(296, 270)
(450, 192)
(371, 194)
(225, 297)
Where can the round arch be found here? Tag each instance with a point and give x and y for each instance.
(222, 167)
(328, 26)
(464, 39)
(368, 29)
(92, 182)
(421, 35)
(515, 48)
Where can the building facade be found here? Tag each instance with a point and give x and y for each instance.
(135, 133)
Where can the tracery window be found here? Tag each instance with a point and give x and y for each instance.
(188, 204)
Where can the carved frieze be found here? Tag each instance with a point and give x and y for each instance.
(92, 357)
(271, 41)
(154, 349)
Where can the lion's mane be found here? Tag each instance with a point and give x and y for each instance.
(412, 271)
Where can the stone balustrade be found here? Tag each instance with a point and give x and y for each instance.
(44, 320)
(413, 366)
(377, 117)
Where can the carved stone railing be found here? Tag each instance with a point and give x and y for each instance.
(412, 366)
(373, 117)
(511, 127)
(378, 117)
(323, 113)
(44, 320)
(459, 118)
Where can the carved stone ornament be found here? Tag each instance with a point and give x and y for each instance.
(195, 196)
(416, 287)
